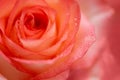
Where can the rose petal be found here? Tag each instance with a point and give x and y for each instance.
(62, 76)
(9, 71)
(5, 10)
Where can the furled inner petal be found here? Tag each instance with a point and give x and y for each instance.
(20, 4)
(45, 40)
(32, 23)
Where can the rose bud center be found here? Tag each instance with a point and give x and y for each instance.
(35, 21)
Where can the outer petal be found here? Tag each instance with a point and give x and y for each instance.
(9, 71)
(62, 76)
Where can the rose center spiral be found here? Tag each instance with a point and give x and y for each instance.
(35, 21)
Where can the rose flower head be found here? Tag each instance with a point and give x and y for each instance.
(43, 38)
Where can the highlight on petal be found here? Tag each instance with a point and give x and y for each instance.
(2, 78)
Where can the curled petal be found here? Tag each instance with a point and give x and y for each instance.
(9, 72)
(21, 4)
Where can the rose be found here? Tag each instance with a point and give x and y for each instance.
(42, 37)
(107, 55)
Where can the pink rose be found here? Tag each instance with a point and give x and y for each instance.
(43, 38)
